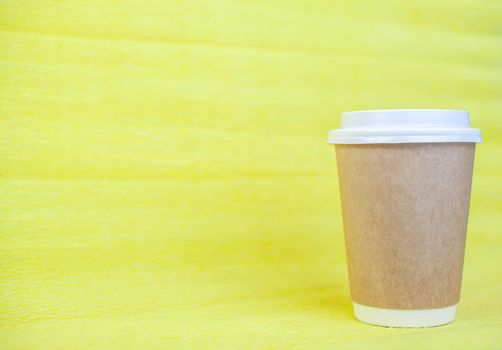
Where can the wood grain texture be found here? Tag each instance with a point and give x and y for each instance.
(164, 177)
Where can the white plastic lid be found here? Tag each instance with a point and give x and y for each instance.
(404, 126)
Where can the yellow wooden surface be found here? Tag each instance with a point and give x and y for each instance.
(164, 177)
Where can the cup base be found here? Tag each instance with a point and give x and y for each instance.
(405, 318)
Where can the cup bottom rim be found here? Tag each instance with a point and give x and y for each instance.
(405, 318)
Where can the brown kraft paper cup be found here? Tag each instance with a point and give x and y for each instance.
(405, 181)
(405, 209)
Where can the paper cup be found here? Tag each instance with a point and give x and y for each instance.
(405, 179)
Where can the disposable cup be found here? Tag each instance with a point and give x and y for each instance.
(405, 182)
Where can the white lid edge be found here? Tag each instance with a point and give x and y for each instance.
(405, 318)
(372, 139)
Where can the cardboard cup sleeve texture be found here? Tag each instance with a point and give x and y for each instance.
(405, 208)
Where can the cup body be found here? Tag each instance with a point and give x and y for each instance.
(405, 209)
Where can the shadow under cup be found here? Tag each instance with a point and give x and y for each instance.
(405, 208)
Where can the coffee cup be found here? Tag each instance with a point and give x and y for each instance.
(405, 182)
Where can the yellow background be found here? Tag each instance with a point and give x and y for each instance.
(165, 180)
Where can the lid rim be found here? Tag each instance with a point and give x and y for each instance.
(394, 140)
